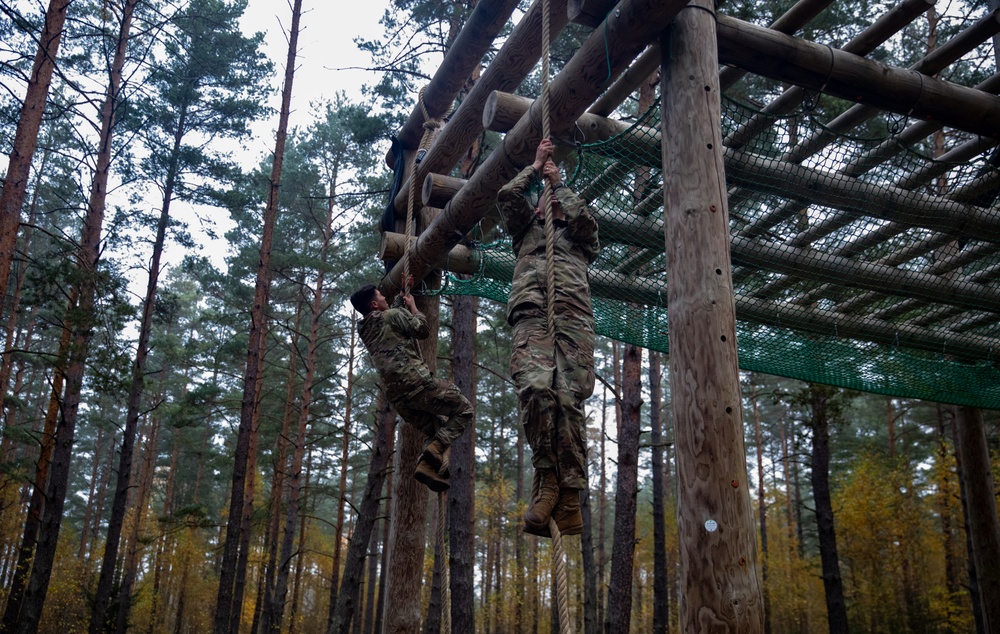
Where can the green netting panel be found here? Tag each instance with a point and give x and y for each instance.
(825, 228)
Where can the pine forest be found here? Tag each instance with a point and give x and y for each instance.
(194, 439)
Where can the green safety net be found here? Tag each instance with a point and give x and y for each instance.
(852, 265)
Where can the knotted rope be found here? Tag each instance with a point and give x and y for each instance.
(558, 554)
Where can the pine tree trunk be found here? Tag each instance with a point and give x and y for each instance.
(833, 585)
(372, 583)
(409, 507)
(344, 451)
(498, 603)
(519, 558)
(974, 596)
(534, 591)
(619, 612)
(89, 254)
(119, 505)
(944, 493)
(462, 494)
(107, 468)
(26, 137)
(161, 542)
(7, 360)
(94, 471)
(389, 416)
(761, 504)
(488, 566)
(228, 572)
(29, 539)
(590, 623)
(602, 499)
(984, 524)
(786, 470)
(661, 596)
(265, 590)
(365, 524)
(273, 624)
(303, 549)
(243, 555)
(134, 546)
(432, 619)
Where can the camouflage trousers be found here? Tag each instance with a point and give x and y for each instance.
(553, 378)
(439, 410)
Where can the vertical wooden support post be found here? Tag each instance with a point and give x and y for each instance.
(720, 581)
(984, 525)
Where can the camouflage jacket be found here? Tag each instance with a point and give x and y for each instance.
(390, 337)
(576, 246)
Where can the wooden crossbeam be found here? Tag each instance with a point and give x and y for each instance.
(842, 74)
(653, 291)
(601, 58)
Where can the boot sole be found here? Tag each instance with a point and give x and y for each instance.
(545, 532)
(434, 484)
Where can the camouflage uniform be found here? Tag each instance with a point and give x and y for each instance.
(552, 377)
(435, 407)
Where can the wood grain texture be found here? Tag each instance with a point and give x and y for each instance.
(464, 55)
(836, 72)
(720, 581)
(516, 58)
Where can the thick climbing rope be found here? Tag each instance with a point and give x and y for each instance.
(431, 126)
(558, 553)
(442, 548)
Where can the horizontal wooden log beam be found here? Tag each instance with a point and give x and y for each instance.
(647, 232)
(907, 207)
(887, 25)
(909, 136)
(589, 12)
(601, 58)
(464, 55)
(817, 67)
(503, 110)
(791, 21)
(514, 61)
(930, 65)
(801, 184)
(652, 291)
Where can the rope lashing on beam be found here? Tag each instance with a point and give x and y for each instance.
(431, 126)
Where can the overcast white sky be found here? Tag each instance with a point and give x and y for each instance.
(326, 44)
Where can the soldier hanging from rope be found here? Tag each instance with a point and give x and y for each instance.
(552, 367)
(434, 406)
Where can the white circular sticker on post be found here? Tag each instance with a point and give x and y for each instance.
(711, 525)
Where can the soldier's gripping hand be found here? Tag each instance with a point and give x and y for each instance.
(542, 154)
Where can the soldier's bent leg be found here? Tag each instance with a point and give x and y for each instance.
(448, 402)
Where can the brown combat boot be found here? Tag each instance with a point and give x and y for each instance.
(432, 468)
(567, 514)
(544, 495)
(437, 455)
